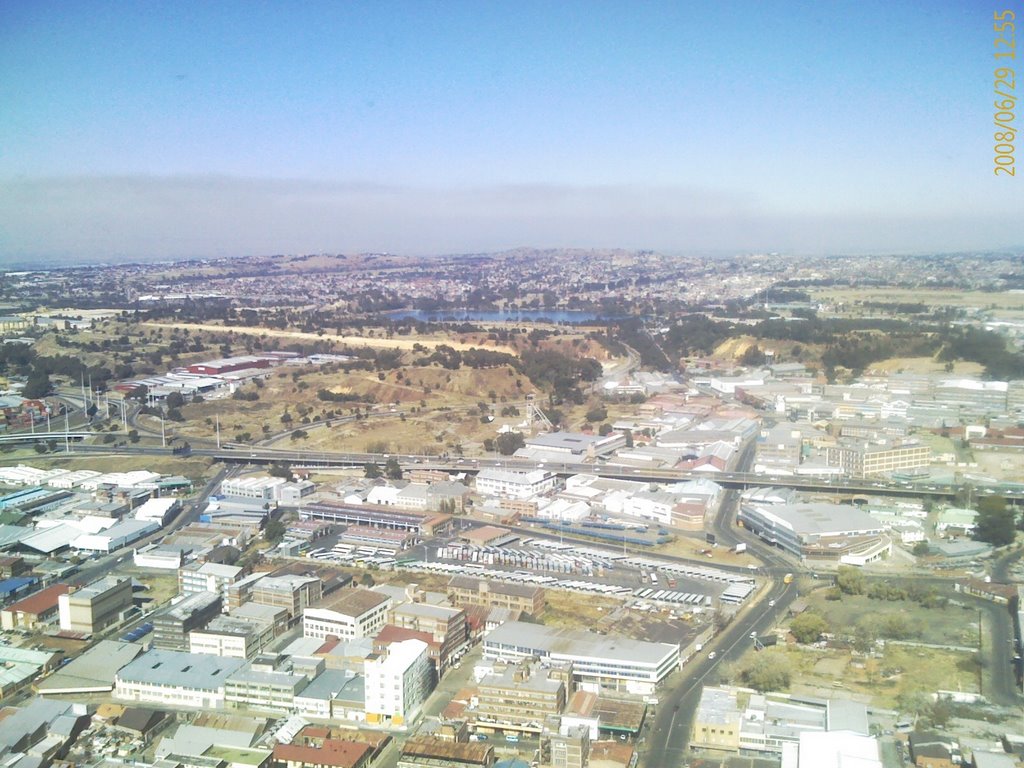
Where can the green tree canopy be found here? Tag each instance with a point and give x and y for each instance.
(996, 522)
(807, 627)
(509, 442)
(768, 671)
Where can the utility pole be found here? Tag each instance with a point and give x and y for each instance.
(217, 417)
(981, 656)
(163, 434)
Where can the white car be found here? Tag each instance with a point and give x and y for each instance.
(712, 655)
(771, 603)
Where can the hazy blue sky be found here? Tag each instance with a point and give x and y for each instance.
(187, 129)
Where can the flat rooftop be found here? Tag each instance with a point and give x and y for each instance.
(353, 602)
(177, 669)
(577, 643)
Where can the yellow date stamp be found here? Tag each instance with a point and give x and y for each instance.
(1004, 87)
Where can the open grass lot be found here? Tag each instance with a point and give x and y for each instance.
(891, 675)
(411, 409)
(951, 625)
(576, 611)
(852, 297)
(377, 342)
(895, 674)
(1001, 465)
(925, 365)
(193, 468)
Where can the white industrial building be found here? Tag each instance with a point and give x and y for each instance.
(176, 678)
(261, 488)
(158, 510)
(118, 535)
(355, 613)
(598, 661)
(514, 485)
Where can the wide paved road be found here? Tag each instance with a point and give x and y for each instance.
(666, 740)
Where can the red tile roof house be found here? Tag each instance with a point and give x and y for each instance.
(33, 610)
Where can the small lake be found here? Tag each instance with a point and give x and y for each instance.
(482, 316)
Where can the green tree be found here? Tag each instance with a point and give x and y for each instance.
(371, 470)
(392, 469)
(367, 579)
(37, 384)
(768, 671)
(280, 470)
(509, 442)
(807, 627)
(865, 633)
(597, 413)
(996, 522)
(175, 400)
(274, 531)
(850, 580)
(921, 548)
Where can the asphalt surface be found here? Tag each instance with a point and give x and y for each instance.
(666, 741)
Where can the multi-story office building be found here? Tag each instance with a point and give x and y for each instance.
(294, 593)
(257, 689)
(571, 750)
(464, 591)
(96, 606)
(447, 627)
(232, 636)
(397, 682)
(860, 458)
(351, 614)
(208, 577)
(171, 627)
(519, 698)
(598, 661)
(508, 484)
(818, 531)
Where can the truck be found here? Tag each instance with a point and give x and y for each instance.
(741, 547)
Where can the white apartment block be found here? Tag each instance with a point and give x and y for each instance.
(208, 577)
(397, 682)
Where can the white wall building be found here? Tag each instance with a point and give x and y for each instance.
(397, 682)
(260, 487)
(158, 511)
(599, 661)
(514, 485)
(176, 678)
(356, 613)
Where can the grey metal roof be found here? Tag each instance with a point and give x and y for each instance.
(93, 670)
(336, 684)
(198, 671)
(579, 643)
